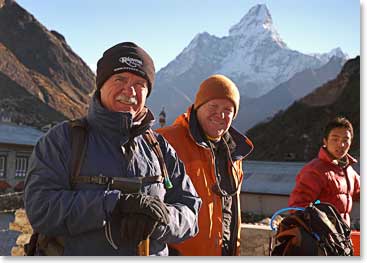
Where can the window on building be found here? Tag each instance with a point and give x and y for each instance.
(21, 166)
(2, 165)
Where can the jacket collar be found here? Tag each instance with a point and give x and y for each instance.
(118, 126)
(243, 147)
(325, 156)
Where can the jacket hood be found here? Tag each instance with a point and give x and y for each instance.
(244, 145)
(118, 126)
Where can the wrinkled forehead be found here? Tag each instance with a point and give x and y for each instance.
(129, 75)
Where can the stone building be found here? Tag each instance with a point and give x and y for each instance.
(16, 145)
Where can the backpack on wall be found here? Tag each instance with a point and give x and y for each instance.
(317, 230)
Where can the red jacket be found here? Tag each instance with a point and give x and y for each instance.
(323, 179)
(199, 165)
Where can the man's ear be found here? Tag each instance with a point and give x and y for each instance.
(324, 141)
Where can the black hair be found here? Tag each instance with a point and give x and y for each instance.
(338, 122)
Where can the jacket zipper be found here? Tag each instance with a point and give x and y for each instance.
(348, 190)
(212, 158)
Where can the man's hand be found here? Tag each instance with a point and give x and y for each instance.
(147, 205)
(136, 227)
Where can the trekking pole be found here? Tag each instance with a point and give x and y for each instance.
(143, 248)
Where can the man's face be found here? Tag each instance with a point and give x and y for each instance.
(338, 142)
(215, 117)
(124, 92)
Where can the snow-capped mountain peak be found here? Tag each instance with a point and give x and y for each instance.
(253, 55)
(257, 22)
(335, 52)
(258, 18)
(338, 52)
(200, 37)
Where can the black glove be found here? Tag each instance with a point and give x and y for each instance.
(136, 227)
(150, 206)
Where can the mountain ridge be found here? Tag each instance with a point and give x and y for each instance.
(306, 118)
(42, 63)
(255, 110)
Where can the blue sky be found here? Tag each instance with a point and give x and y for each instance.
(164, 28)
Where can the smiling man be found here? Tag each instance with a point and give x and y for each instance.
(330, 177)
(127, 191)
(212, 152)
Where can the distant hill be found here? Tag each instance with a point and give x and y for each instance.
(38, 66)
(296, 133)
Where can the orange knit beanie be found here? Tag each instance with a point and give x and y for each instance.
(218, 87)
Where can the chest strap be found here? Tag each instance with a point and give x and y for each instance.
(78, 130)
(124, 184)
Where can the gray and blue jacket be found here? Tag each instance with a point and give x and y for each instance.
(79, 213)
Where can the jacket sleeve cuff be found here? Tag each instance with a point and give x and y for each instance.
(109, 202)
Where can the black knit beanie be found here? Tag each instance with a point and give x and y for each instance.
(126, 56)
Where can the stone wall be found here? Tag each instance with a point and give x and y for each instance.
(11, 201)
(255, 240)
(22, 225)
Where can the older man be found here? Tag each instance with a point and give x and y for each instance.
(212, 152)
(97, 213)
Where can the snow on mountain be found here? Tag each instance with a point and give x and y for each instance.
(335, 52)
(253, 55)
(259, 109)
(202, 47)
(258, 24)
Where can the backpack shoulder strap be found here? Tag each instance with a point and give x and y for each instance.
(78, 129)
(152, 140)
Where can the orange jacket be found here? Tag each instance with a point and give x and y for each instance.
(199, 165)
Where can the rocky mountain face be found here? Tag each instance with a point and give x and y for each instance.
(253, 55)
(296, 133)
(41, 78)
(20, 106)
(255, 110)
